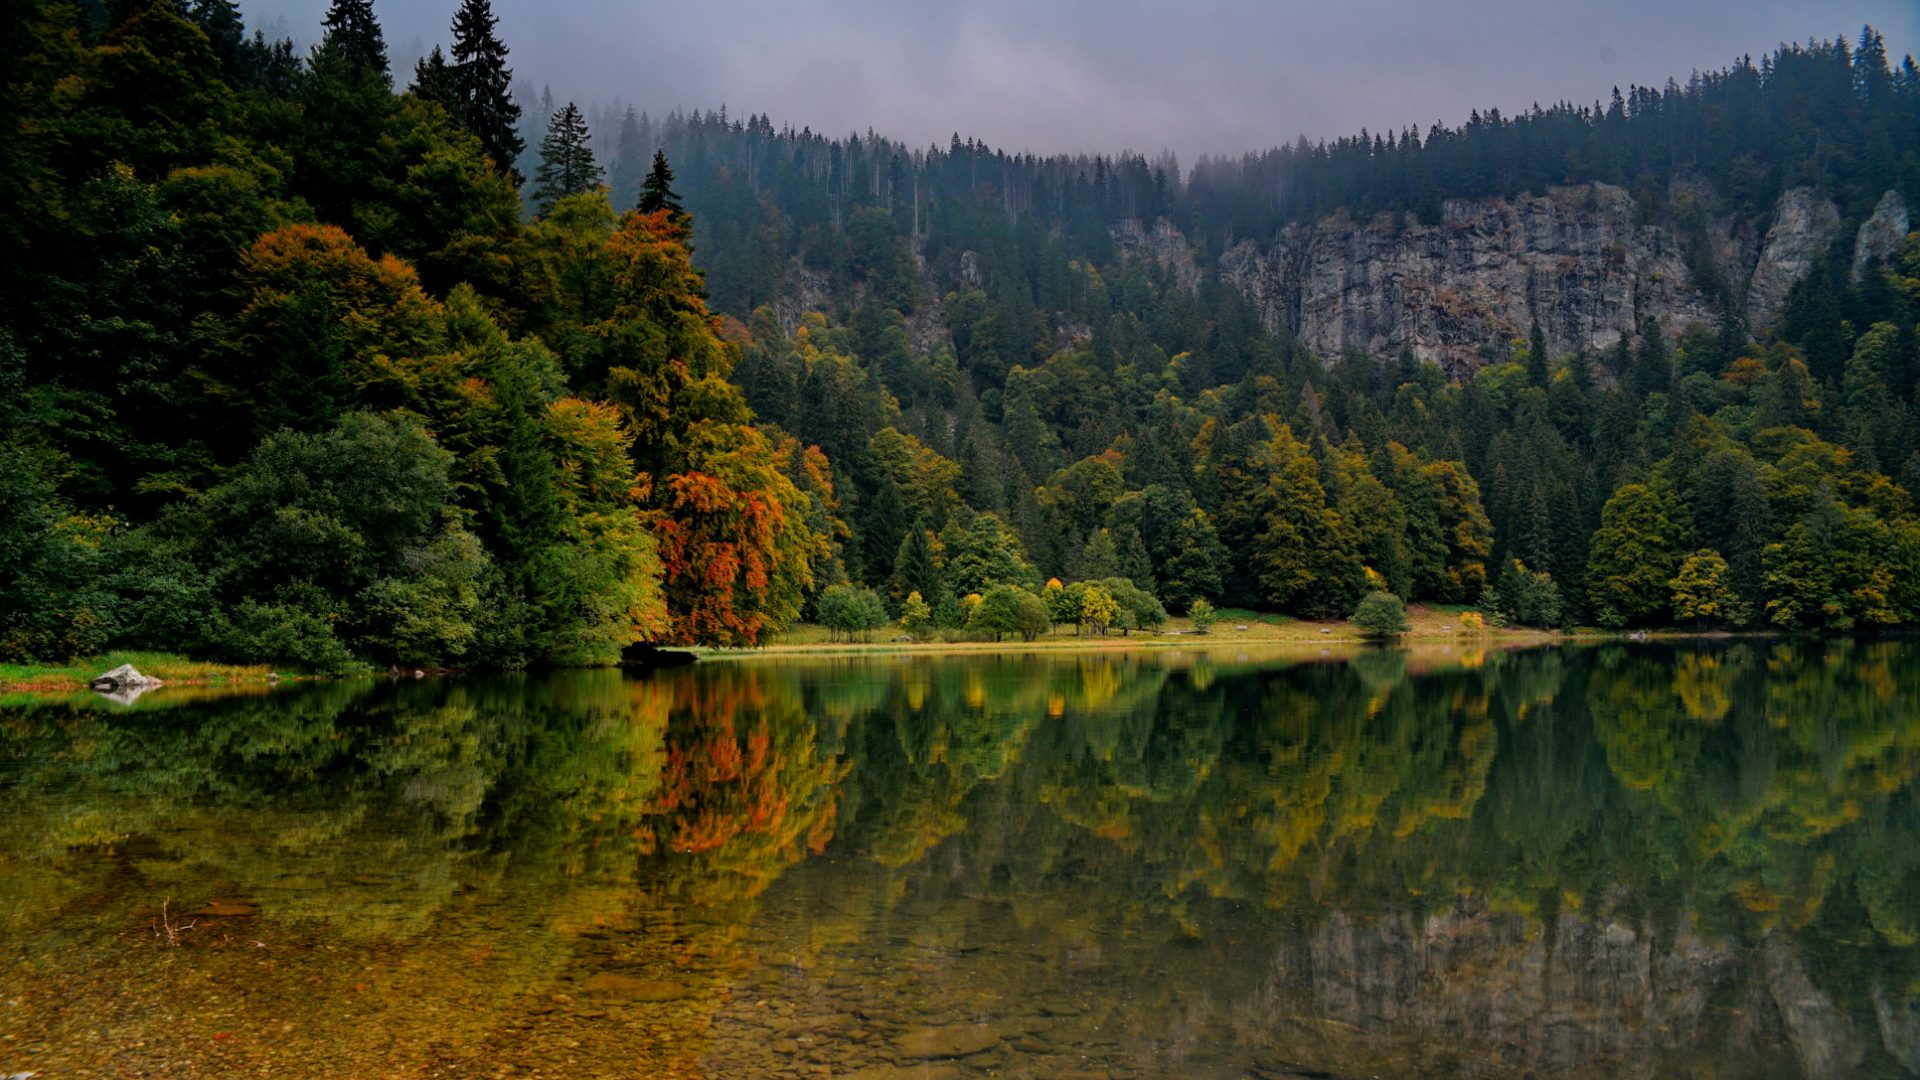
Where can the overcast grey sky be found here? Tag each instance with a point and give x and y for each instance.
(1103, 75)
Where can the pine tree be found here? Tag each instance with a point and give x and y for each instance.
(627, 160)
(656, 191)
(1538, 369)
(220, 21)
(433, 79)
(482, 85)
(914, 568)
(566, 161)
(354, 34)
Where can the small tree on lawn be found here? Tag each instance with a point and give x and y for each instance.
(1202, 614)
(915, 616)
(1381, 615)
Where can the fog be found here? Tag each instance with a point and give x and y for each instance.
(1213, 76)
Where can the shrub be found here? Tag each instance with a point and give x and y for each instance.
(1139, 609)
(1202, 614)
(1007, 609)
(1381, 615)
(916, 617)
(851, 610)
(1472, 622)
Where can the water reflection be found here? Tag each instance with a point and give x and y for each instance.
(1611, 860)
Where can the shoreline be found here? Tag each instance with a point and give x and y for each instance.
(1432, 630)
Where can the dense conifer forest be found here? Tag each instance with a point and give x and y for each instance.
(307, 360)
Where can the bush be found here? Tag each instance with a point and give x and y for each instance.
(850, 611)
(1202, 614)
(49, 609)
(1381, 615)
(327, 548)
(1472, 622)
(1139, 609)
(1007, 609)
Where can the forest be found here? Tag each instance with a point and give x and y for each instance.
(307, 360)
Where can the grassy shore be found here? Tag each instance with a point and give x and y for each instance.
(169, 668)
(1431, 626)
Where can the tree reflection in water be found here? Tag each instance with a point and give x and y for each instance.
(1615, 859)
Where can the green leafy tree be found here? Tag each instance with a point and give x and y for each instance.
(1381, 615)
(916, 617)
(851, 611)
(1139, 609)
(1633, 558)
(324, 550)
(1098, 609)
(1009, 609)
(1202, 614)
(1702, 593)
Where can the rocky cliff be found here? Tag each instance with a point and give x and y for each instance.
(1584, 261)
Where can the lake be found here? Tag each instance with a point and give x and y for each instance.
(1624, 859)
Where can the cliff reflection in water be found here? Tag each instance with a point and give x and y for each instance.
(1591, 861)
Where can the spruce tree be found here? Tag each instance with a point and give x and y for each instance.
(433, 79)
(1539, 370)
(627, 162)
(220, 21)
(656, 191)
(354, 35)
(483, 84)
(566, 161)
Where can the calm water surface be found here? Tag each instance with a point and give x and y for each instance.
(1601, 861)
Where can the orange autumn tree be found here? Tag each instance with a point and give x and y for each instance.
(735, 546)
(339, 325)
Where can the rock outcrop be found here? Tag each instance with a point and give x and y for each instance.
(1803, 225)
(1583, 261)
(1880, 235)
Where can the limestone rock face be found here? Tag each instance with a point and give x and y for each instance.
(1881, 234)
(1586, 262)
(1162, 243)
(1803, 225)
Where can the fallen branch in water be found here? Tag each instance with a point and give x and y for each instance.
(166, 927)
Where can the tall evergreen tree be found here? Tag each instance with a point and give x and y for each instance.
(566, 161)
(354, 34)
(628, 163)
(1539, 370)
(220, 21)
(656, 191)
(483, 85)
(433, 79)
